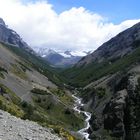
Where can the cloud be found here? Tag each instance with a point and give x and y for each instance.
(76, 29)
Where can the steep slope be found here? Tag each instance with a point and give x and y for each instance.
(122, 44)
(11, 37)
(114, 103)
(115, 55)
(109, 84)
(27, 92)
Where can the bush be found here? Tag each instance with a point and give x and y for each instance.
(24, 104)
(100, 92)
(39, 91)
(67, 111)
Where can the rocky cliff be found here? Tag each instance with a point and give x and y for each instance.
(11, 37)
(115, 114)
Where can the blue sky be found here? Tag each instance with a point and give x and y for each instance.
(77, 25)
(115, 10)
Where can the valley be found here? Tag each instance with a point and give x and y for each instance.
(96, 99)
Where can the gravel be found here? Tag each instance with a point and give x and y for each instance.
(12, 128)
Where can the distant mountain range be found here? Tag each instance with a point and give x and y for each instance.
(57, 59)
(60, 58)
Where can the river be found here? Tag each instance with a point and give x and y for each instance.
(78, 104)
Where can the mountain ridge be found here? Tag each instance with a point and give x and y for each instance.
(58, 58)
(115, 55)
(115, 47)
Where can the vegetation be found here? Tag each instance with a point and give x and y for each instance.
(57, 112)
(81, 76)
(100, 92)
(10, 102)
(1, 72)
(27, 111)
(32, 60)
(18, 71)
(91, 92)
(39, 91)
(63, 96)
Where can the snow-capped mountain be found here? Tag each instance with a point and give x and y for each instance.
(60, 58)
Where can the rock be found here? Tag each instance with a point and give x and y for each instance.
(114, 112)
(9, 36)
(2, 22)
(13, 128)
(124, 43)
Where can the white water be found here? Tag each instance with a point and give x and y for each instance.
(77, 105)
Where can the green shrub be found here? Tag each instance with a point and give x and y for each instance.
(39, 91)
(100, 92)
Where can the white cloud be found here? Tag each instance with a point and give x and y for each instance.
(76, 29)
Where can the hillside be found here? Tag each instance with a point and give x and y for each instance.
(28, 94)
(30, 89)
(109, 84)
(115, 55)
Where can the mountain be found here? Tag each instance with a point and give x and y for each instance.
(11, 37)
(124, 43)
(108, 81)
(30, 89)
(114, 55)
(58, 59)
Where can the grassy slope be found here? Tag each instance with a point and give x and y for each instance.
(80, 76)
(45, 108)
(36, 62)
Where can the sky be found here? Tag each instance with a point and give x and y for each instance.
(76, 25)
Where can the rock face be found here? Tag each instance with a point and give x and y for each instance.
(12, 128)
(123, 44)
(116, 116)
(2, 22)
(11, 37)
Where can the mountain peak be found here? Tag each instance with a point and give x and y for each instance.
(68, 53)
(2, 22)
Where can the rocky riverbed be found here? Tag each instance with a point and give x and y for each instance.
(12, 128)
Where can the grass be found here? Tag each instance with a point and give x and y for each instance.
(57, 112)
(18, 71)
(10, 102)
(14, 98)
(27, 111)
(10, 107)
(63, 96)
(36, 62)
(46, 109)
(1, 72)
